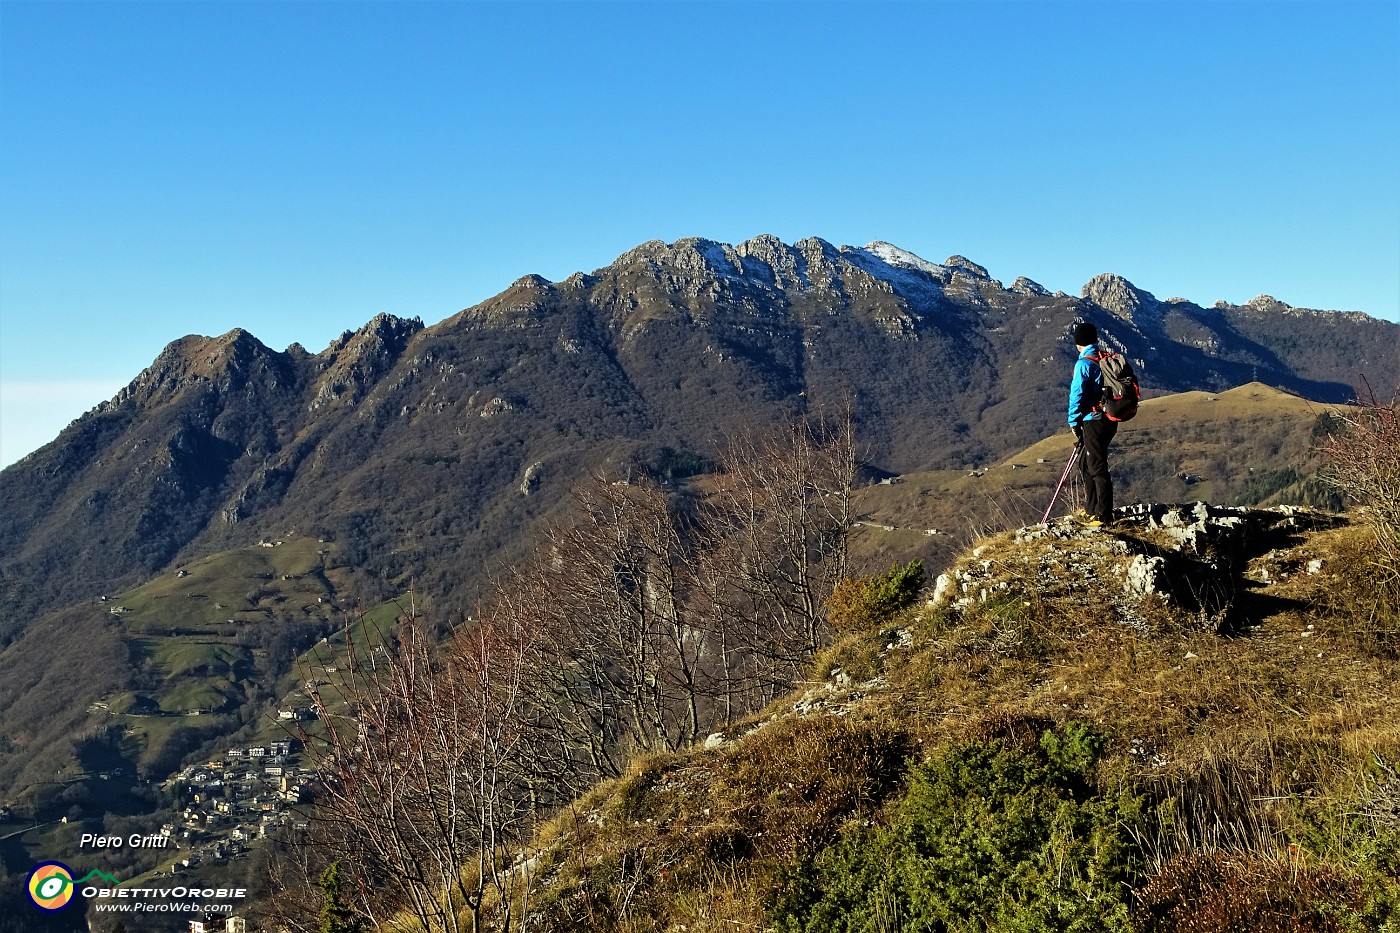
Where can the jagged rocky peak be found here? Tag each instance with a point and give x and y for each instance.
(1120, 297)
(780, 263)
(764, 257)
(226, 362)
(697, 255)
(1025, 286)
(808, 263)
(527, 299)
(765, 246)
(816, 247)
(824, 264)
(236, 348)
(529, 287)
(967, 267)
(759, 271)
(383, 332)
(1267, 303)
(779, 256)
(767, 262)
(690, 263)
(688, 253)
(354, 361)
(651, 250)
(386, 333)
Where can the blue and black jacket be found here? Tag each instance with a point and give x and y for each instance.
(1085, 389)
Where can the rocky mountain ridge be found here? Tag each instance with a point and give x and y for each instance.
(421, 457)
(399, 432)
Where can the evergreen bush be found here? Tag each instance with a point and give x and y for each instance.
(868, 602)
(989, 836)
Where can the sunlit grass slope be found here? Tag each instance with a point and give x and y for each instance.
(1053, 749)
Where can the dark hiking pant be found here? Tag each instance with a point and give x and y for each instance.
(1093, 467)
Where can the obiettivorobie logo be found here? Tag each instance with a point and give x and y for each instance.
(51, 884)
(52, 887)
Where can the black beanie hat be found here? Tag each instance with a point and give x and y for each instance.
(1085, 334)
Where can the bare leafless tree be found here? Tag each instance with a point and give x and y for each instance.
(776, 546)
(661, 614)
(645, 619)
(611, 594)
(288, 866)
(1362, 449)
(420, 784)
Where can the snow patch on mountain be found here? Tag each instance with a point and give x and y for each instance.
(912, 277)
(967, 267)
(903, 258)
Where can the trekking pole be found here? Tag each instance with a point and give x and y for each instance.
(1073, 459)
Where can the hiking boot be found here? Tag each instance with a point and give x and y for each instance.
(1088, 521)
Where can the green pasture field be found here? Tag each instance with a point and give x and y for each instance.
(367, 634)
(217, 594)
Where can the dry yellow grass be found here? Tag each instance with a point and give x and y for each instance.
(1237, 740)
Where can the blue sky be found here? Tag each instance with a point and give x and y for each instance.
(296, 168)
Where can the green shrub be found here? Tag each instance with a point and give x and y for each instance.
(336, 915)
(1361, 834)
(989, 836)
(869, 602)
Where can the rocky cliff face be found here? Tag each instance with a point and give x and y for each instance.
(1121, 298)
(397, 429)
(355, 362)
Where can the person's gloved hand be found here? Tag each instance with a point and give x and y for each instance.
(1078, 434)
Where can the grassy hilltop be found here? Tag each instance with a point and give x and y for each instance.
(1054, 750)
(1248, 445)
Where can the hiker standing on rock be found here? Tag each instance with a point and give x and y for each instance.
(1091, 429)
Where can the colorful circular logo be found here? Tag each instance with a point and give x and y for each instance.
(51, 886)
